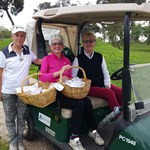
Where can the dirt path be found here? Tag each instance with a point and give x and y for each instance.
(35, 145)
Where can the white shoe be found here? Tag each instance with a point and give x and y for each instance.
(76, 144)
(96, 137)
(12, 147)
(21, 146)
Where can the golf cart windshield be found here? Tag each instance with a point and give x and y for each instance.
(140, 82)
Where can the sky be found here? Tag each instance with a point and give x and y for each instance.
(26, 15)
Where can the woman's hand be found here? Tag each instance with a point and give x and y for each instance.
(108, 86)
(67, 67)
(64, 78)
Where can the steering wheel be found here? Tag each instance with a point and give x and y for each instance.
(117, 75)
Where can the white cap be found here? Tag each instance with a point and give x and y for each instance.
(18, 29)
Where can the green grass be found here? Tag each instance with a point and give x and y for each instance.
(113, 56)
(33, 69)
(3, 145)
(139, 53)
(4, 43)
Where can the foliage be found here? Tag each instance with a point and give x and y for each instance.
(33, 69)
(120, 1)
(111, 32)
(146, 32)
(115, 34)
(4, 33)
(91, 27)
(17, 6)
(44, 5)
(11, 6)
(3, 145)
(136, 32)
(59, 3)
(140, 30)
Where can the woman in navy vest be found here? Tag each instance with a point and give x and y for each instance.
(95, 68)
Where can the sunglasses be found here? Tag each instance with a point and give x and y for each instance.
(88, 41)
(59, 44)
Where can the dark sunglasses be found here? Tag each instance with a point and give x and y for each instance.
(88, 41)
(54, 44)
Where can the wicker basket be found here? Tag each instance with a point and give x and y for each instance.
(39, 100)
(76, 92)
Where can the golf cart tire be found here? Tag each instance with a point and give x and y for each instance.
(30, 133)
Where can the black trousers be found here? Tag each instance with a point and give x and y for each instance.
(80, 108)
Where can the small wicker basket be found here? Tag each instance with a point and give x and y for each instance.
(39, 100)
(76, 92)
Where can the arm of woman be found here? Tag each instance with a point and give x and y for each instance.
(37, 61)
(1, 74)
(75, 70)
(2, 66)
(107, 81)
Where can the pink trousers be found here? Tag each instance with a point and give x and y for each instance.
(113, 96)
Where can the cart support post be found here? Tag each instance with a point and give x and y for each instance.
(126, 81)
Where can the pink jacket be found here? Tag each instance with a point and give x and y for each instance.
(51, 64)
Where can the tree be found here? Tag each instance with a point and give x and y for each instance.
(120, 1)
(11, 6)
(59, 3)
(114, 32)
(4, 33)
(63, 3)
(136, 32)
(146, 32)
(47, 5)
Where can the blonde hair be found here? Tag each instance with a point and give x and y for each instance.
(54, 37)
(87, 34)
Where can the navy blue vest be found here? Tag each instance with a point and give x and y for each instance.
(92, 68)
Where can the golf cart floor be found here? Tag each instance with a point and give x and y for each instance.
(106, 133)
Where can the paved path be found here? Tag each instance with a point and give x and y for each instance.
(35, 145)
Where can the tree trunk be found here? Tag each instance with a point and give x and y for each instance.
(10, 18)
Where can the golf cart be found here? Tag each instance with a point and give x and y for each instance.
(131, 128)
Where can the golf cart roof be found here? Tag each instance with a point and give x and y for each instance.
(77, 15)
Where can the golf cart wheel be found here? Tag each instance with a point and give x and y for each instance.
(28, 133)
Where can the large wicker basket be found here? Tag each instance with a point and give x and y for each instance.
(76, 92)
(39, 100)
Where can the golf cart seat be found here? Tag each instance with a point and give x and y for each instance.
(67, 113)
(96, 103)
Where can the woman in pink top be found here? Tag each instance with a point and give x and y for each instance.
(51, 68)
